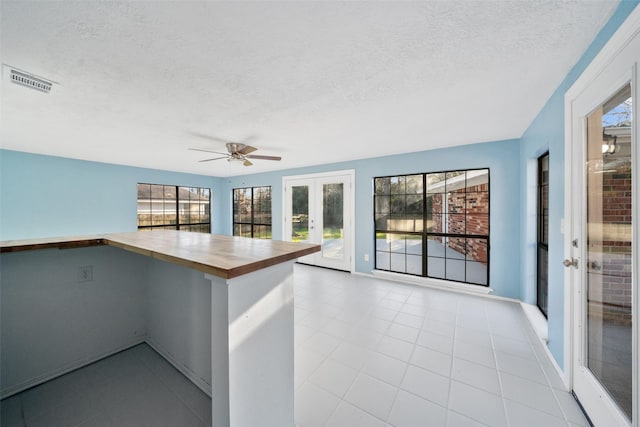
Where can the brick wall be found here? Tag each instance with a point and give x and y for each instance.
(437, 207)
(473, 200)
(616, 268)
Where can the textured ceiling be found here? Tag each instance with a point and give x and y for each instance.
(315, 82)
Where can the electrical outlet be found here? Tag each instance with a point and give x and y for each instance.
(85, 273)
(366, 257)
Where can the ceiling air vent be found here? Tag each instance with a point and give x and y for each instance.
(30, 81)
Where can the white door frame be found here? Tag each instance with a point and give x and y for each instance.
(351, 173)
(573, 135)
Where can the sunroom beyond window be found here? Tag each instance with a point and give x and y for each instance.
(434, 225)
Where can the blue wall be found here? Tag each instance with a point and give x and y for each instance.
(546, 132)
(44, 196)
(500, 157)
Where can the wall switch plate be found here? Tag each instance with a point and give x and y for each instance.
(85, 273)
(366, 257)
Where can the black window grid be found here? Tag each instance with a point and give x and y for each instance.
(252, 212)
(542, 250)
(169, 196)
(387, 186)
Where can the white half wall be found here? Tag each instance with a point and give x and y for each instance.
(52, 321)
(178, 314)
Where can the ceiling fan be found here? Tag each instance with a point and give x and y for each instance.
(237, 152)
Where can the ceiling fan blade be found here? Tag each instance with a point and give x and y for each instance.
(246, 149)
(209, 137)
(255, 156)
(208, 151)
(215, 158)
(247, 162)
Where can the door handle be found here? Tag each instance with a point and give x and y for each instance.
(573, 262)
(595, 265)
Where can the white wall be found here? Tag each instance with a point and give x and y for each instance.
(51, 323)
(178, 314)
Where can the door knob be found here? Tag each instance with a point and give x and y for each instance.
(573, 262)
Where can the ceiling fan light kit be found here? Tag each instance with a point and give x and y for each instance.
(238, 152)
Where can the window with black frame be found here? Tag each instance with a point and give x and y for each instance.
(542, 277)
(434, 225)
(172, 207)
(252, 212)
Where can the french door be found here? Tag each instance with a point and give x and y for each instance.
(603, 242)
(318, 209)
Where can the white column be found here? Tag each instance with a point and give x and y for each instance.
(252, 348)
(219, 351)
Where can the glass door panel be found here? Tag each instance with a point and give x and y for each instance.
(318, 210)
(608, 304)
(300, 213)
(333, 220)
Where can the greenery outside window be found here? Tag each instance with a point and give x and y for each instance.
(434, 225)
(171, 207)
(252, 212)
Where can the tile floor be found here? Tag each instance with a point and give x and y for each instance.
(368, 353)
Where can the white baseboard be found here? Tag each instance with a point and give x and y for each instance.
(69, 367)
(192, 376)
(563, 375)
(537, 321)
(477, 290)
(540, 327)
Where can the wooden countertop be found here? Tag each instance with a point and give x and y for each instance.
(223, 256)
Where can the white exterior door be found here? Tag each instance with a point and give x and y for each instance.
(318, 209)
(602, 240)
